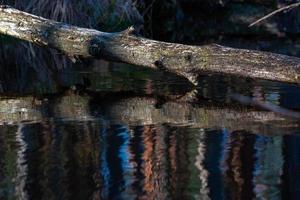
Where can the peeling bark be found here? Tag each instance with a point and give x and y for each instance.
(125, 47)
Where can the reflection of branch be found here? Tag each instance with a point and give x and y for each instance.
(266, 105)
(291, 6)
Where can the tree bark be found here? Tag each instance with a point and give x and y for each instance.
(125, 47)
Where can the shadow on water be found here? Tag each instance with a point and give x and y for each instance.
(113, 137)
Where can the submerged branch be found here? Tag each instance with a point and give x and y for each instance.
(181, 59)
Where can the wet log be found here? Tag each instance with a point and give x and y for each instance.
(126, 47)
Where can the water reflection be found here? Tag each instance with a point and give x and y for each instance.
(140, 141)
(21, 165)
(98, 160)
(268, 167)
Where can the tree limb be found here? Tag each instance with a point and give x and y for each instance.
(125, 47)
(291, 6)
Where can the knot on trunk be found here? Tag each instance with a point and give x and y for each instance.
(95, 48)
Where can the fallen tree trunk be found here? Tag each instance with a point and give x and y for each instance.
(123, 46)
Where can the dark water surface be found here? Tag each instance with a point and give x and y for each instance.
(109, 141)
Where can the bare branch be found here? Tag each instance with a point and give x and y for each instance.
(291, 6)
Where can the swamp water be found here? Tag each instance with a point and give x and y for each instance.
(116, 137)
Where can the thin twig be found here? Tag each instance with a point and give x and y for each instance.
(291, 6)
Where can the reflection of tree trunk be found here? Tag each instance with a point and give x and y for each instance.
(174, 161)
(104, 167)
(290, 180)
(91, 142)
(117, 168)
(240, 166)
(21, 165)
(137, 149)
(178, 161)
(160, 181)
(50, 156)
(267, 176)
(126, 157)
(203, 172)
(235, 168)
(79, 155)
(148, 157)
(155, 156)
(123, 46)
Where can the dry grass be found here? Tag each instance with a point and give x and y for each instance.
(23, 58)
